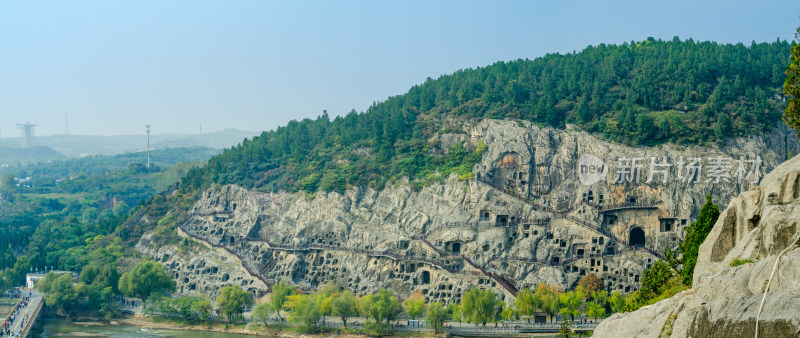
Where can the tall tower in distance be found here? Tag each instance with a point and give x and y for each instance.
(148, 144)
(27, 132)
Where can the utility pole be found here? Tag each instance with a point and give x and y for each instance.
(148, 145)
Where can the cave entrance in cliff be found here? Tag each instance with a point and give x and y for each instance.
(426, 277)
(502, 220)
(636, 237)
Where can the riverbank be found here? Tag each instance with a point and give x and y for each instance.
(155, 327)
(250, 329)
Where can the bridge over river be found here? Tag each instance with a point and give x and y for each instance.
(25, 313)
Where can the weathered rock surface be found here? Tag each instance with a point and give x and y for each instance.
(498, 230)
(199, 269)
(759, 224)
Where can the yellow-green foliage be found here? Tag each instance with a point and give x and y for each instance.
(165, 232)
(674, 286)
(737, 262)
(666, 330)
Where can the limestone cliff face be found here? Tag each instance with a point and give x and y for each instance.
(524, 219)
(759, 224)
(199, 269)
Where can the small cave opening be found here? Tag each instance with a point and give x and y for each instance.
(426, 277)
(502, 220)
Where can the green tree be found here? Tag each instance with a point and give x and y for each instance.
(435, 316)
(455, 312)
(634, 300)
(595, 310)
(262, 311)
(414, 306)
(382, 305)
(570, 303)
(145, 279)
(617, 302)
(325, 295)
(791, 87)
(550, 305)
(600, 297)
(478, 306)
(325, 302)
(59, 292)
(186, 307)
(8, 183)
(695, 235)
(499, 309)
(722, 128)
(508, 313)
(672, 259)
(344, 306)
(655, 278)
(278, 296)
(98, 299)
(201, 309)
(524, 303)
(8, 186)
(105, 275)
(232, 301)
(304, 310)
(645, 128)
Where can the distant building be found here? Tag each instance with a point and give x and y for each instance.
(539, 317)
(32, 278)
(23, 182)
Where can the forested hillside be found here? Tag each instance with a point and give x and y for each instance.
(645, 93)
(54, 219)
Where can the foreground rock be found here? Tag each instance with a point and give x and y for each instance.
(759, 225)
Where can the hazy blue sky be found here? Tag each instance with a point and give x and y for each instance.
(113, 66)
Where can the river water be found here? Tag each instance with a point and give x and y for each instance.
(57, 327)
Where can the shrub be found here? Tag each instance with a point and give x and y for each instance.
(737, 262)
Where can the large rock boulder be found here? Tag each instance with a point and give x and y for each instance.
(760, 225)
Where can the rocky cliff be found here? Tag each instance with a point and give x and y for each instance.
(527, 216)
(759, 225)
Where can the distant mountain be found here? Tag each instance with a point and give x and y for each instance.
(82, 145)
(13, 156)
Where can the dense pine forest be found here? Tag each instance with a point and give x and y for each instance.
(644, 93)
